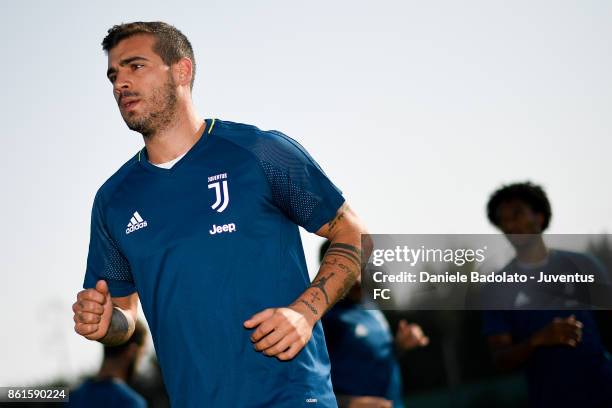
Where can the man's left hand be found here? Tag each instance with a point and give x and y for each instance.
(280, 332)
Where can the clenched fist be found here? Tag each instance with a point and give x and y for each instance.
(93, 311)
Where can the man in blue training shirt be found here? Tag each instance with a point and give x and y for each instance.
(565, 361)
(201, 226)
(109, 387)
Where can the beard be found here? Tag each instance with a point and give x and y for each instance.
(162, 103)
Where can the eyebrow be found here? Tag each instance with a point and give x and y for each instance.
(123, 63)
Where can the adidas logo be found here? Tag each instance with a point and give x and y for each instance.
(136, 223)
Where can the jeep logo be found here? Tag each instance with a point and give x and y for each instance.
(218, 229)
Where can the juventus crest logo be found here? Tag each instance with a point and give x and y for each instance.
(219, 183)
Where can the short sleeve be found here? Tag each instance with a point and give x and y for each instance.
(104, 260)
(495, 322)
(300, 188)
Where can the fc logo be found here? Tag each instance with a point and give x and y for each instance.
(221, 193)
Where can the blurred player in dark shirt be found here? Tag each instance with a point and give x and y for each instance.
(561, 350)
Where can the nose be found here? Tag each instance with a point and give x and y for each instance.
(122, 84)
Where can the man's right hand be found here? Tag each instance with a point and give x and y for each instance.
(560, 332)
(93, 311)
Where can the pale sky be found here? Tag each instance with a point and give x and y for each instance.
(416, 109)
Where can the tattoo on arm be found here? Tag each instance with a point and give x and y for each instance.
(332, 224)
(333, 261)
(120, 329)
(348, 251)
(341, 251)
(348, 281)
(320, 284)
(340, 260)
(336, 256)
(314, 297)
(310, 307)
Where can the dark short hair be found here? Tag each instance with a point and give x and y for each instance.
(170, 44)
(139, 337)
(527, 192)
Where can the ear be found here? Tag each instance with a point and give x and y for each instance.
(183, 71)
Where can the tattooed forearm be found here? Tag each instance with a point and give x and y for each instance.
(320, 284)
(342, 259)
(333, 261)
(341, 265)
(348, 251)
(346, 285)
(120, 329)
(309, 306)
(314, 296)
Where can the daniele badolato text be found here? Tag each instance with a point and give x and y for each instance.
(478, 277)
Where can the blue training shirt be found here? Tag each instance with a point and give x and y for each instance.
(207, 244)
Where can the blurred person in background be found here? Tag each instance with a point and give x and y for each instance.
(363, 352)
(109, 387)
(561, 350)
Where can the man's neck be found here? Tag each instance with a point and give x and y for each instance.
(177, 138)
(534, 253)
